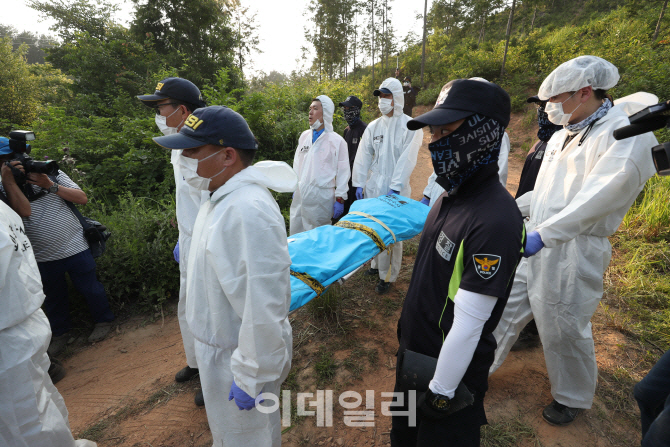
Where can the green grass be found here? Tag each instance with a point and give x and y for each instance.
(509, 433)
(325, 367)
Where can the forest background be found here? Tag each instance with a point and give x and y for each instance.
(77, 91)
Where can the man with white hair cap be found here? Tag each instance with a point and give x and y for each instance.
(384, 162)
(586, 184)
(322, 164)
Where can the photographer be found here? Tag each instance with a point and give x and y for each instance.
(10, 193)
(60, 247)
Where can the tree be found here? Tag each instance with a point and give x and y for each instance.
(73, 16)
(660, 17)
(423, 49)
(18, 87)
(194, 36)
(245, 35)
(509, 31)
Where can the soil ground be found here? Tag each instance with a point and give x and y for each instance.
(121, 391)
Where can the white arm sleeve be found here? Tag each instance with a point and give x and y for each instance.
(363, 159)
(503, 159)
(429, 186)
(523, 203)
(471, 311)
(343, 170)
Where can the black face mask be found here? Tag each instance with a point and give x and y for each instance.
(460, 154)
(352, 115)
(547, 128)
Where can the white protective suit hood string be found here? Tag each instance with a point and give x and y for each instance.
(328, 110)
(398, 96)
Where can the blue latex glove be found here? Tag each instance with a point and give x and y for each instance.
(338, 209)
(175, 252)
(392, 191)
(359, 193)
(533, 244)
(242, 399)
(425, 200)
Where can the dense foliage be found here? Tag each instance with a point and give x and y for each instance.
(85, 114)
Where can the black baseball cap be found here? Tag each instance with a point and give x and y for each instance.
(211, 125)
(174, 88)
(379, 91)
(535, 99)
(352, 101)
(462, 98)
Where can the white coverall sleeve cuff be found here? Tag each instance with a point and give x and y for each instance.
(471, 312)
(523, 203)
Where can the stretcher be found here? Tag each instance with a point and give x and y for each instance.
(326, 254)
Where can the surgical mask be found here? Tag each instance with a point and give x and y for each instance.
(405, 84)
(188, 167)
(316, 125)
(458, 155)
(557, 115)
(161, 122)
(546, 127)
(385, 105)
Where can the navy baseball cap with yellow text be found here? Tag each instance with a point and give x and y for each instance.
(174, 88)
(217, 125)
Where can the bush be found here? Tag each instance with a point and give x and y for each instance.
(428, 96)
(138, 268)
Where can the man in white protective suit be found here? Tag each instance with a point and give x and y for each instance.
(174, 100)
(584, 188)
(384, 162)
(238, 281)
(433, 190)
(322, 164)
(32, 411)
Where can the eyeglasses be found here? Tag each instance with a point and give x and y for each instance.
(158, 107)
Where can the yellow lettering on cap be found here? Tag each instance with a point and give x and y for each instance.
(193, 122)
(159, 86)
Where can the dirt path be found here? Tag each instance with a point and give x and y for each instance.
(121, 391)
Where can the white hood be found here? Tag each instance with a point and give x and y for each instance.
(274, 175)
(328, 110)
(398, 95)
(632, 104)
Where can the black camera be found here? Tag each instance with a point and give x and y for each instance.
(18, 145)
(647, 120)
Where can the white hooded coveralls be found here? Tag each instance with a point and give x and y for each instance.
(581, 196)
(385, 160)
(433, 190)
(323, 174)
(238, 296)
(32, 411)
(188, 202)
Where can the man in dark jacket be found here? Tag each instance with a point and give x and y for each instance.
(410, 95)
(351, 108)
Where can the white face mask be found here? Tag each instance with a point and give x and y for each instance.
(405, 84)
(556, 114)
(385, 105)
(316, 125)
(189, 170)
(161, 122)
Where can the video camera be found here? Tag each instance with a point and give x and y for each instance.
(18, 145)
(652, 118)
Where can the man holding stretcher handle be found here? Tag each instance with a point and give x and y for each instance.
(472, 241)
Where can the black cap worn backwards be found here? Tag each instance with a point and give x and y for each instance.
(174, 88)
(462, 98)
(379, 91)
(351, 101)
(217, 125)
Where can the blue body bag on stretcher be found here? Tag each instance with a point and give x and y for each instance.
(321, 256)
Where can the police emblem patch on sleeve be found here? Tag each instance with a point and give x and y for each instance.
(486, 265)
